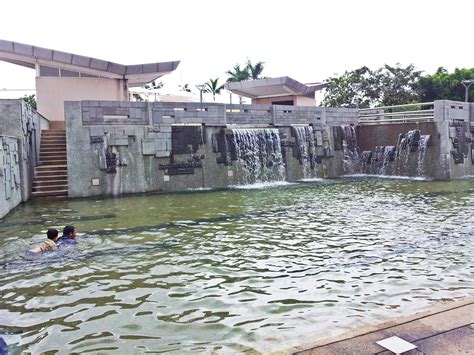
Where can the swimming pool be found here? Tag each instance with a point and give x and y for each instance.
(237, 269)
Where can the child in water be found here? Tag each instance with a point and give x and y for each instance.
(49, 244)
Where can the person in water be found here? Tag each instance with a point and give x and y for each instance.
(68, 237)
(49, 244)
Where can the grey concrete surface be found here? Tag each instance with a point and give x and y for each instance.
(442, 329)
(19, 152)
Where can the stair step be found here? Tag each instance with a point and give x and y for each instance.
(46, 176)
(53, 145)
(57, 187)
(43, 168)
(53, 162)
(52, 150)
(61, 193)
(54, 156)
(54, 135)
(49, 182)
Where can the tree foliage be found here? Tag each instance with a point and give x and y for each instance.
(248, 72)
(255, 70)
(213, 87)
(445, 86)
(387, 86)
(30, 100)
(395, 85)
(185, 88)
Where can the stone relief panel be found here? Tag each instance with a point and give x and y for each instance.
(10, 167)
(460, 138)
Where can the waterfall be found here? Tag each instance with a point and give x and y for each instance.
(408, 163)
(352, 157)
(306, 149)
(257, 155)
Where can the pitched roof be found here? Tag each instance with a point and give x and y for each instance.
(28, 56)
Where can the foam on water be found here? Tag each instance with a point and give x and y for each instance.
(389, 177)
(261, 185)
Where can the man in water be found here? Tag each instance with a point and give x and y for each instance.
(68, 237)
(49, 244)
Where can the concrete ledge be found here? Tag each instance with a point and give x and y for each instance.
(442, 329)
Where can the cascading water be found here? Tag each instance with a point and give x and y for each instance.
(306, 149)
(407, 158)
(408, 163)
(257, 155)
(352, 157)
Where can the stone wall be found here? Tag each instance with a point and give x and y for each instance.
(19, 152)
(449, 153)
(129, 147)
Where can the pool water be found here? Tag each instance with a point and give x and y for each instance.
(233, 270)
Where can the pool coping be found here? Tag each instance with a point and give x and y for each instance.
(445, 324)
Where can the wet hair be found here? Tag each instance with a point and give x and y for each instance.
(52, 233)
(68, 230)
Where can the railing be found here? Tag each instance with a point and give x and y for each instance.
(420, 112)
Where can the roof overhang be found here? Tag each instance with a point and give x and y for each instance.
(28, 56)
(273, 87)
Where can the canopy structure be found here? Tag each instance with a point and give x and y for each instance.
(50, 62)
(274, 87)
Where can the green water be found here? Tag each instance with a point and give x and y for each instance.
(232, 270)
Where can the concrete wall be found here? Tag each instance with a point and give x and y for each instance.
(19, 152)
(129, 147)
(449, 154)
(455, 124)
(53, 91)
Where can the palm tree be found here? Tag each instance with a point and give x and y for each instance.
(213, 87)
(237, 74)
(254, 70)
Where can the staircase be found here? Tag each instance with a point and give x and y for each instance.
(50, 178)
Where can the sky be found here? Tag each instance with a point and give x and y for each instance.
(307, 40)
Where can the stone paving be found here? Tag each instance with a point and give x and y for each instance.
(444, 329)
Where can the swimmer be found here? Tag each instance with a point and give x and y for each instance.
(68, 237)
(49, 244)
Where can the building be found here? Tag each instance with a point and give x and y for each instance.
(62, 76)
(277, 91)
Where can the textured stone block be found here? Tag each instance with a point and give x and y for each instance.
(162, 154)
(165, 129)
(161, 144)
(148, 147)
(121, 140)
(96, 131)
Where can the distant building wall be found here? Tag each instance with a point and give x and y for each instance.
(298, 100)
(19, 152)
(53, 91)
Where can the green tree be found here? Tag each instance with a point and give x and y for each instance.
(185, 88)
(443, 85)
(30, 100)
(154, 85)
(237, 74)
(352, 89)
(213, 87)
(396, 85)
(387, 86)
(248, 72)
(254, 70)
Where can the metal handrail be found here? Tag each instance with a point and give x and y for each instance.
(394, 106)
(380, 114)
(398, 113)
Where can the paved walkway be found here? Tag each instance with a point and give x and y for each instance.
(446, 329)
